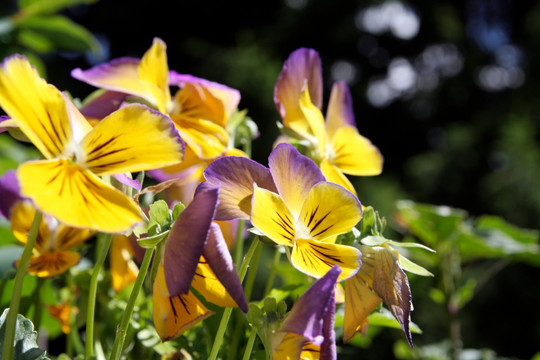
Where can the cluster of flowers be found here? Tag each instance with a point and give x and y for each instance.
(302, 201)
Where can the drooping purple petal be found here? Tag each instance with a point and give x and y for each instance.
(10, 192)
(104, 104)
(229, 96)
(235, 177)
(328, 346)
(186, 241)
(220, 261)
(2, 119)
(306, 316)
(340, 108)
(294, 175)
(302, 67)
(124, 179)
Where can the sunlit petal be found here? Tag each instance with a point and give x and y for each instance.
(271, 216)
(340, 111)
(360, 301)
(173, 315)
(50, 264)
(186, 241)
(205, 138)
(77, 197)
(206, 282)
(132, 139)
(294, 175)
(124, 271)
(154, 70)
(315, 119)
(316, 258)
(302, 69)
(221, 263)
(37, 107)
(196, 101)
(355, 154)
(335, 175)
(329, 210)
(290, 347)
(228, 96)
(22, 216)
(235, 177)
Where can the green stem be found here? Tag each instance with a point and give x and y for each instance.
(102, 255)
(239, 244)
(38, 305)
(249, 345)
(126, 316)
(273, 270)
(227, 312)
(11, 321)
(250, 281)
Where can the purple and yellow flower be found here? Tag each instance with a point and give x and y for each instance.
(308, 330)
(67, 184)
(124, 271)
(199, 110)
(197, 256)
(335, 143)
(291, 203)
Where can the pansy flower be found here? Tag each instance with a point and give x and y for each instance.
(335, 143)
(67, 183)
(124, 271)
(197, 256)
(291, 203)
(199, 110)
(308, 330)
(53, 252)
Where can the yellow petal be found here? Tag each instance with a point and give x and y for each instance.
(315, 258)
(329, 210)
(77, 197)
(22, 216)
(207, 139)
(133, 138)
(355, 154)
(289, 346)
(50, 264)
(360, 301)
(335, 175)
(37, 107)
(206, 282)
(154, 70)
(124, 271)
(174, 315)
(270, 215)
(197, 101)
(315, 120)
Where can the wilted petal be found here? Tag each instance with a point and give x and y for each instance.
(355, 154)
(294, 175)
(307, 314)
(173, 315)
(235, 177)
(340, 111)
(9, 188)
(360, 301)
(329, 210)
(219, 259)
(77, 197)
(38, 108)
(186, 241)
(302, 69)
(271, 216)
(132, 139)
(315, 258)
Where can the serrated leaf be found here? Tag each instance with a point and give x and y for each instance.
(25, 342)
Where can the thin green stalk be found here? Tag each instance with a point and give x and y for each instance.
(249, 345)
(239, 244)
(102, 255)
(250, 281)
(38, 305)
(11, 321)
(126, 316)
(273, 270)
(73, 338)
(227, 312)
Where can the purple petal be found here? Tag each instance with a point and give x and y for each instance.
(10, 190)
(104, 104)
(294, 175)
(124, 179)
(306, 316)
(218, 257)
(235, 177)
(328, 346)
(2, 119)
(119, 74)
(186, 241)
(303, 65)
(340, 108)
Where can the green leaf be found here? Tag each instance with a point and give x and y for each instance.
(25, 342)
(177, 210)
(151, 241)
(412, 267)
(59, 33)
(43, 7)
(385, 318)
(159, 212)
